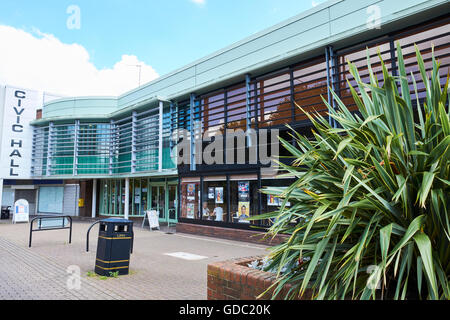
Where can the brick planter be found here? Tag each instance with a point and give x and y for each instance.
(234, 280)
(251, 236)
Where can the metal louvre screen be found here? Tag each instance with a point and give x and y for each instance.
(437, 37)
(93, 148)
(359, 57)
(274, 100)
(147, 141)
(137, 143)
(63, 137)
(310, 85)
(39, 151)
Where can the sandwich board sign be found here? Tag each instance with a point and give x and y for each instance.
(21, 211)
(153, 219)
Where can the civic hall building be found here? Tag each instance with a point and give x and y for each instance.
(120, 153)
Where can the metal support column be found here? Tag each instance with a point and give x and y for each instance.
(225, 126)
(192, 130)
(202, 186)
(49, 149)
(127, 199)
(94, 198)
(228, 197)
(393, 57)
(112, 143)
(160, 136)
(331, 79)
(291, 93)
(75, 147)
(133, 141)
(248, 107)
(1, 191)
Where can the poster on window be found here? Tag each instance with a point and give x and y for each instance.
(211, 193)
(219, 195)
(191, 192)
(190, 211)
(273, 201)
(244, 210)
(137, 195)
(244, 191)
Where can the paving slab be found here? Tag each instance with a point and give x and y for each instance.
(159, 269)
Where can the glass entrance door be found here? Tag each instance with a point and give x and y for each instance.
(172, 201)
(164, 201)
(157, 201)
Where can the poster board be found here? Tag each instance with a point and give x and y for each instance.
(21, 211)
(153, 219)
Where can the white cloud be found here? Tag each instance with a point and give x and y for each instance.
(42, 62)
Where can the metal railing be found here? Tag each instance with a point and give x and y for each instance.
(47, 223)
(87, 235)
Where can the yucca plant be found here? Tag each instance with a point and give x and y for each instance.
(369, 211)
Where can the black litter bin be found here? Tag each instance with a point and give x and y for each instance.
(115, 243)
(5, 212)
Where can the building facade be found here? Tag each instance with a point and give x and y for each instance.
(18, 107)
(126, 150)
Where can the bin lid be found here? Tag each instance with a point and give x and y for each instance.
(117, 220)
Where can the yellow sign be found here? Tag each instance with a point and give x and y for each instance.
(81, 203)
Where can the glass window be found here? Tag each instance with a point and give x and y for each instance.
(190, 199)
(214, 206)
(244, 199)
(51, 199)
(271, 203)
(144, 196)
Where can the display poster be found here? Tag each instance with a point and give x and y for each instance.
(191, 192)
(137, 195)
(219, 195)
(190, 211)
(272, 200)
(211, 193)
(244, 210)
(244, 191)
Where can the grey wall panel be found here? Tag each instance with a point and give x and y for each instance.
(70, 202)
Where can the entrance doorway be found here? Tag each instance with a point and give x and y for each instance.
(164, 201)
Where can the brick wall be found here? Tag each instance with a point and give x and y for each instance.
(229, 233)
(233, 280)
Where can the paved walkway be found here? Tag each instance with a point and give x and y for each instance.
(41, 272)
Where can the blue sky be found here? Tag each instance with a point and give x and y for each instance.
(162, 34)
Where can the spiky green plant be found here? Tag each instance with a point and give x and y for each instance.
(369, 211)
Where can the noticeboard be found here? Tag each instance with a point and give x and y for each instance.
(153, 219)
(21, 211)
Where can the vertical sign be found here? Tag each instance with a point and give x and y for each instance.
(17, 136)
